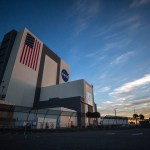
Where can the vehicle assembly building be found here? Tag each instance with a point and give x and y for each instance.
(34, 85)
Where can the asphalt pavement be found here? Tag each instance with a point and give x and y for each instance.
(127, 139)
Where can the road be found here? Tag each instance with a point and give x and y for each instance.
(127, 139)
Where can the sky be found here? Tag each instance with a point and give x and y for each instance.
(105, 42)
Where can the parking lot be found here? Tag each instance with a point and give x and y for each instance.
(125, 139)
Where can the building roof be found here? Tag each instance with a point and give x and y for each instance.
(114, 117)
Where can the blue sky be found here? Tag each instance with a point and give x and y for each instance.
(106, 42)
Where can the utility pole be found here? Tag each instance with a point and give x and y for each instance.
(115, 115)
(115, 111)
(134, 110)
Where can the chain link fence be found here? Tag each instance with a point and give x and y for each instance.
(48, 118)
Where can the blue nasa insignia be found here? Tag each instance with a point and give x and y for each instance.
(65, 75)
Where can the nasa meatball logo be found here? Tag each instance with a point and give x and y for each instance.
(65, 75)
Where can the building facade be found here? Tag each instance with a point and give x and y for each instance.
(32, 76)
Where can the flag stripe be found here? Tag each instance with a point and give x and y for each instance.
(27, 58)
(30, 52)
(22, 53)
(37, 56)
(26, 47)
(34, 50)
(31, 56)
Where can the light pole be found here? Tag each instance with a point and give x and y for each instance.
(115, 115)
(115, 111)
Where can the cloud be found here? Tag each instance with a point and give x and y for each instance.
(114, 35)
(97, 60)
(138, 3)
(127, 87)
(96, 57)
(83, 11)
(108, 102)
(93, 54)
(132, 90)
(123, 57)
(124, 108)
(87, 8)
(121, 33)
(102, 76)
(126, 20)
(145, 102)
(123, 20)
(104, 89)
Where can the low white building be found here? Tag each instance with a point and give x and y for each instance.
(113, 120)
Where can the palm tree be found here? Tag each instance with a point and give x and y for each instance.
(92, 115)
(96, 114)
(135, 116)
(141, 117)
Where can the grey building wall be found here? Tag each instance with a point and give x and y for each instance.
(22, 83)
(65, 90)
(5, 51)
(45, 52)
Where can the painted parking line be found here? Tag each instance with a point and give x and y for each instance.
(135, 134)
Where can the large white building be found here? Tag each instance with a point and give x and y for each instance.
(33, 77)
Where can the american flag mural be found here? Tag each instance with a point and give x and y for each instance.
(30, 52)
